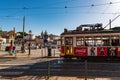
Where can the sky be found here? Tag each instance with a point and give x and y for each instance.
(55, 15)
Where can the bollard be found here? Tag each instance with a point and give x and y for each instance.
(42, 52)
(48, 70)
(85, 69)
(54, 52)
(45, 50)
(16, 53)
(49, 51)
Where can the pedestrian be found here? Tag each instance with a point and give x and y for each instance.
(13, 51)
(10, 49)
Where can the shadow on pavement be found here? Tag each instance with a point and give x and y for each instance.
(59, 67)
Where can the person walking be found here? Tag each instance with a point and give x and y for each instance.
(10, 49)
(14, 51)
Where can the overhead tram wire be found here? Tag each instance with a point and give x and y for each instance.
(112, 21)
(93, 5)
(107, 8)
(89, 9)
(53, 4)
(69, 13)
(56, 3)
(42, 7)
(12, 15)
(117, 11)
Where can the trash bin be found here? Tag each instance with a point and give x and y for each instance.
(49, 51)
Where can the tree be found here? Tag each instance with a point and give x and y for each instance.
(0, 31)
(21, 33)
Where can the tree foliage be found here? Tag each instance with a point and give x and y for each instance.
(0, 31)
(21, 33)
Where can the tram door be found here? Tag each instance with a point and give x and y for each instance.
(69, 46)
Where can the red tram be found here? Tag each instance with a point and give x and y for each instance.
(90, 40)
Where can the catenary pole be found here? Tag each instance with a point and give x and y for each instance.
(23, 35)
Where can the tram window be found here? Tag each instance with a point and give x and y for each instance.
(68, 41)
(115, 41)
(79, 41)
(62, 41)
(106, 43)
(106, 40)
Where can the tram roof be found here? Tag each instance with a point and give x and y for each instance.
(113, 30)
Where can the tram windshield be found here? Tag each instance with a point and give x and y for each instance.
(68, 41)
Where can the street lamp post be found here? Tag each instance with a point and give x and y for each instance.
(29, 42)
